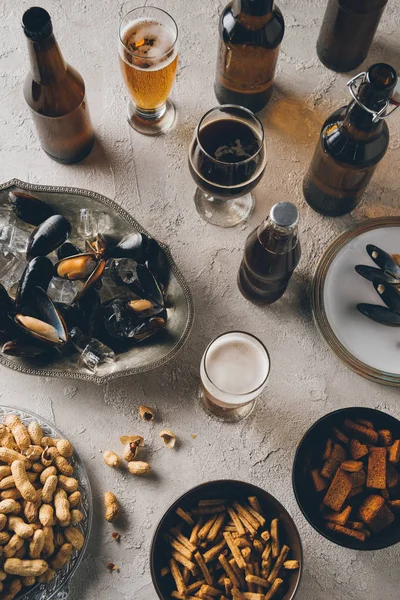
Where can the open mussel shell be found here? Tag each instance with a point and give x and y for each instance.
(99, 246)
(93, 280)
(67, 250)
(6, 307)
(389, 294)
(149, 285)
(89, 308)
(47, 326)
(376, 275)
(23, 349)
(122, 323)
(133, 245)
(76, 268)
(38, 273)
(380, 314)
(384, 260)
(157, 262)
(28, 208)
(48, 236)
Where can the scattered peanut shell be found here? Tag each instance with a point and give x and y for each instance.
(111, 506)
(138, 467)
(111, 459)
(146, 413)
(168, 437)
(131, 439)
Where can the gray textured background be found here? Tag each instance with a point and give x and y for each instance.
(149, 178)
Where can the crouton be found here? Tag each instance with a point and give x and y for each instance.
(357, 450)
(376, 477)
(366, 435)
(338, 491)
(370, 508)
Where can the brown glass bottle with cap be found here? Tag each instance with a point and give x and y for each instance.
(347, 32)
(271, 254)
(353, 140)
(55, 93)
(250, 33)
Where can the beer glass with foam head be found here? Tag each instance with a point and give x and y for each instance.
(234, 371)
(148, 57)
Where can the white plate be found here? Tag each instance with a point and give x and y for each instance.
(370, 349)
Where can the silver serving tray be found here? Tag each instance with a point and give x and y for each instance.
(58, 589)
(68, 201)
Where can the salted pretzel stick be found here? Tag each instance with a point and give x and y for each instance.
(203, 533)
(247, 515)
(179, 547)
(274, 588)
(228, 570)
(194, 536)
(213, 552)
(217, 526)
(203, 568)
(176, 574)
(235, 550)
(275, 538)
(185, 516)
(256, 515)
(255, 504)
(211, 502)
(183, 540)
(188, 564)
(278, 564)
(236, 521)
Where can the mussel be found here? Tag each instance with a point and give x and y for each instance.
(386, 281)
(67, 250)
(133, 245)
(48, 236)
(157, 262)
(28, 208)
(6, 307)
(22, 349)
(47, 326)
(38, 273)
(76, 268)
(149, 285)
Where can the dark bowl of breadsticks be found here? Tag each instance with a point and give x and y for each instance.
(346, 478)
(227, 540)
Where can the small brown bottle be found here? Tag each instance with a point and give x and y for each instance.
(55, 93)
(271, 254)
(250, 34)
(347, 32)
(353, 140)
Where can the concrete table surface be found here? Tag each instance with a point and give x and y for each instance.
(149, 178)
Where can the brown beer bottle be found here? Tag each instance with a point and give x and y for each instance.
(55, 93)
(271, 254)
(347, 32)
(352, 142)
(250, 34)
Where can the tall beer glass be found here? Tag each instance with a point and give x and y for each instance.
(148, 57)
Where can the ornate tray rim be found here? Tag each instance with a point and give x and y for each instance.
(318, 308)
(100, 379)
(40, 592)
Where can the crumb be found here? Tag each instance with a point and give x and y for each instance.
(112, 567)
(116, 536)
(194, 436)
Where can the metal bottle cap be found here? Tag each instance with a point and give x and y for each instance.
(285, 215)
(36, 23)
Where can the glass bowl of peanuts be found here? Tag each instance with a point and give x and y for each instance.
(46, 508)
(227, 540)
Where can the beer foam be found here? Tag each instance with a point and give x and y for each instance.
(150, 40)
(237, 363)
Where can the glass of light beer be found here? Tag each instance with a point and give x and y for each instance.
(234, 371)
(148, 57)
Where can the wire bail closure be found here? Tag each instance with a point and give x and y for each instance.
(377, 115)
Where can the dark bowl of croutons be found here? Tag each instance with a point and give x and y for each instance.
(226, 539)
(346, 478)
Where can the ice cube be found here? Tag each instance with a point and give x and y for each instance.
(14, 239)
(62, 290)
(6, 215)
(11, 270)
(92, 351)
(92, 222)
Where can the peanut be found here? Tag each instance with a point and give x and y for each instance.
(33, 453)
(36, 432)
(19, 527)
(59, 539)
(131, 451)
(3, 575)
(6, 438)
(111, 504)
(12, 494)
(31, 509)
(14, 544)
(111, 459)
(13, 589)
(48, 544)
(65, 448)
(37, 544)
(138, 467)
(46, 515)
(5, 471)
(3, 521)
(69, 484)
(9, 456)
(62, 508)
(22, 482)
(19, 431)
(46, 473)
(29, 581)
(8, 507)
(76, 517)
(49, 488)
(21, 552)
(63, 465)
(75, 499)
(7, 482)
(47, 442)
(47, 576)
(25, 568)
(37, 467)
(4, 537)
(74, 537)
(47, 458)
(62, 557)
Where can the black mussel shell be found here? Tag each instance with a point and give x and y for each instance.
(149, 328)
(376, 275)
(89, 308)
(23, 349)
(76, 268)
(48, 236)
(71, 314)
(67, 250)
(380, 314)
(6, 307)
(157, 262)
(94, 280)
(28, 208)
(118, 321)
(38, 273)
(384, 260)
(133, 245)
(46, 314)
(149, 285)
(389, 294)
